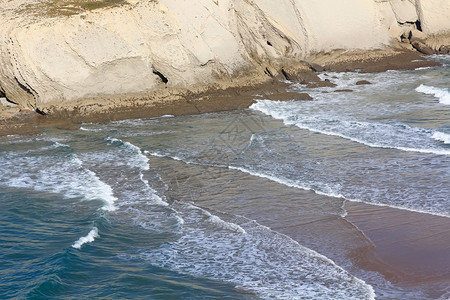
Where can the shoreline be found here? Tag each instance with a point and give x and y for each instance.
(409, 248)
(238, 95)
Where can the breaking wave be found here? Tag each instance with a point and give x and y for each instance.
(89, 238)
(441, 93)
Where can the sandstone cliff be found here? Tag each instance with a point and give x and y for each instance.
(57, 53)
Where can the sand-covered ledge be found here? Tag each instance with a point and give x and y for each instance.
(97, 60)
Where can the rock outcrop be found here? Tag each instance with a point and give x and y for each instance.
(59, 53)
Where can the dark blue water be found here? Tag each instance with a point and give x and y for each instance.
(221, 205)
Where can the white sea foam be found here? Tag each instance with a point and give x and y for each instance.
(174, 157)
(442, 137)
(89, 238)
(376, 145)
(97, 189)
(423, 68)
(154, 153)
(130, 160)
(218, 221)
(442, 94)
(138, 159)
(61, 175)
(260, 261)
(377, 135)
(326, 190)
(58, 145)
(90, 129)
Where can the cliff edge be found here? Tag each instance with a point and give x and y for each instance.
(59, 54)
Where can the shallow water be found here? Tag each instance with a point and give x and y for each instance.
(242, 205)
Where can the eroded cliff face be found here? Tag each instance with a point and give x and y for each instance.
(145, 47)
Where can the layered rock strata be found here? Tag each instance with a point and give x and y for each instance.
(59, 54)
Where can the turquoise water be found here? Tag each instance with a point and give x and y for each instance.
(220, 205)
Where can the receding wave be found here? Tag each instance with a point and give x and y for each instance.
(377, 135)
(138, 160)
(315, 186)
(220, 247)
(89, 238)
(128, 158)
(442, 94)
(326, 190)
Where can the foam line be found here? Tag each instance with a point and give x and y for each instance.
(292, 184)
(219, 246)
(374, 145)
(267, 108)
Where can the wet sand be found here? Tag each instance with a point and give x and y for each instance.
(215, 100)
(407, 248)
(410, 248)
(175, 102)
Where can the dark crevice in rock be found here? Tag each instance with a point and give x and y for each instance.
(418, 25)
(418, 44)
(286, 76)
(269, 43)
(40, 112)
(268, 73)
(161, 76)
(23, 87)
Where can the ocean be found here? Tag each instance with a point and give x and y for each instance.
(246, 204)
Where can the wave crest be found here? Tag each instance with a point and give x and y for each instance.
(441, 93)
(89, 238)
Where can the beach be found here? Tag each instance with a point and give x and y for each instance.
(225, 149)
(343, 196)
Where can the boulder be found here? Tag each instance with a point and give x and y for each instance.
(422, 48)
(363, 82)
(444, 50)
(343, 91)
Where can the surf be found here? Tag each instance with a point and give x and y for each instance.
(442, 94)
(371, 134)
